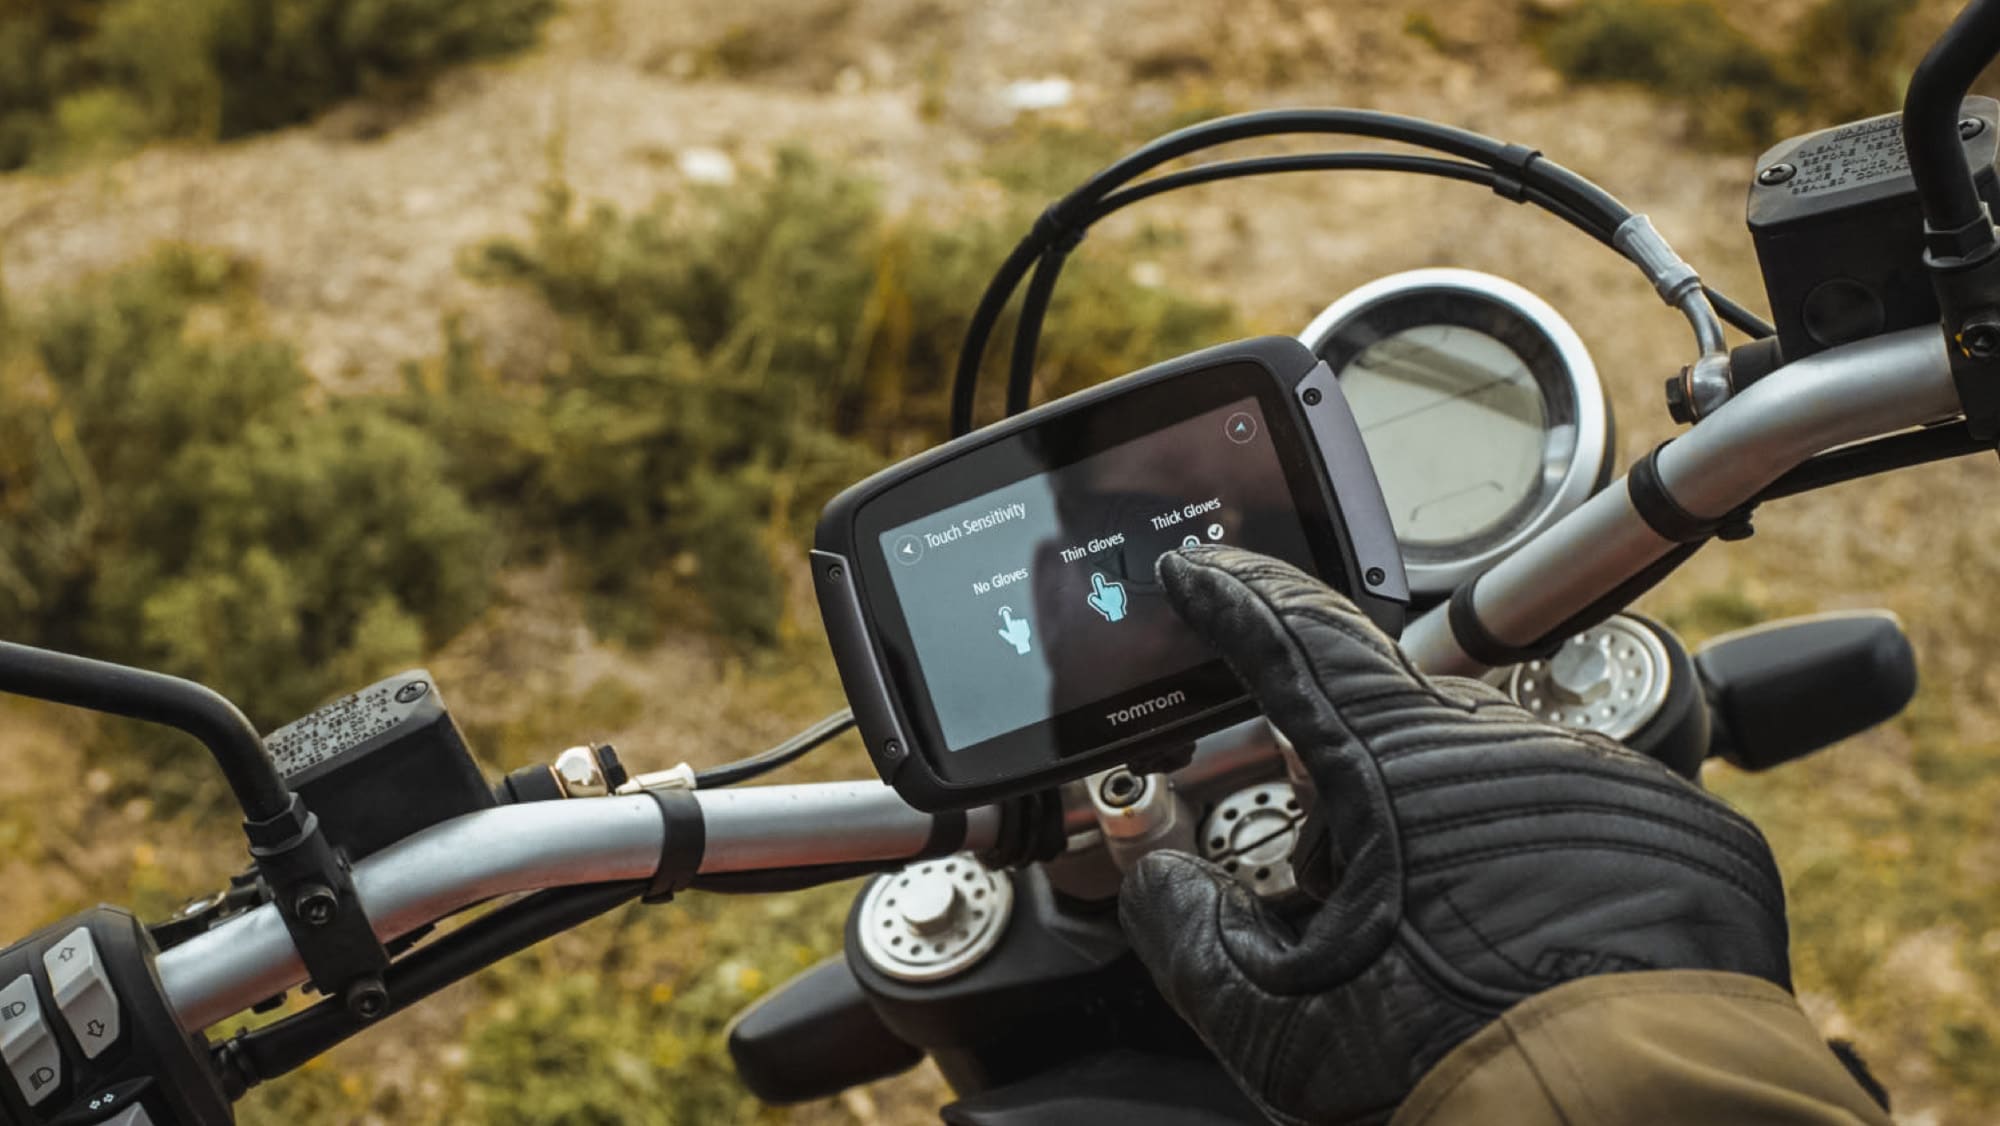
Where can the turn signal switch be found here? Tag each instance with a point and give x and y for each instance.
(87, 1037)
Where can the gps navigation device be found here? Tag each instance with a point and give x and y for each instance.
(992, 603)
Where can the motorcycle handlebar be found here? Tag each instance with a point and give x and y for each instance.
(1846, 394)
(467, 860)
(1857, 391)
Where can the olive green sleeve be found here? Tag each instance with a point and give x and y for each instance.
(1661, 1049)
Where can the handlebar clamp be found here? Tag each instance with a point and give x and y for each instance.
(313, 889)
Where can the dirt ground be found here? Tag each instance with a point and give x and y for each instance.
(358, 222)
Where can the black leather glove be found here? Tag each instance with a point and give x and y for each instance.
(1483, 855)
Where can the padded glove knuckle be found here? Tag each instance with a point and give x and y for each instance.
(1488, 855)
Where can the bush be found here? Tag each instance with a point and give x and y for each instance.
(638, 1035)
(170, 496)
(1686, 50)
(1850, 54)
(1842, 64)
(724, 371)
(81, 76)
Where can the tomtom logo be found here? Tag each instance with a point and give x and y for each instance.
(1146, 708)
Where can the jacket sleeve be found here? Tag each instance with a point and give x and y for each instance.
(1661, 1048)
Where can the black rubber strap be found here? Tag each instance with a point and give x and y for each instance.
(683, 840)
(1030, 831)
(1479, 642)
(1510, 172)
(1658, 508)
(1482, 646)
(947, 834)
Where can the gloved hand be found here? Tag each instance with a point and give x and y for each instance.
(1482, 856)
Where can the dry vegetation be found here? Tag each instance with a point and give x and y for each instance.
(359, 225)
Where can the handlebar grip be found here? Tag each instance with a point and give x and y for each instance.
(815, 1036)
(1781, 691)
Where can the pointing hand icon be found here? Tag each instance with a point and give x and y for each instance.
(1107, 598)
(1014, 630)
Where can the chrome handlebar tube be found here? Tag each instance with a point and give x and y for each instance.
(1862, 390)
(517, 848)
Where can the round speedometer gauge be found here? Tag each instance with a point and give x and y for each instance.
(1479, 407)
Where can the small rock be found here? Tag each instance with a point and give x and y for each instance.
(707, 166)
(1038, 94)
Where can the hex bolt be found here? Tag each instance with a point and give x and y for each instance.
(1981, 335)
(367, 998)
(1970, 127)
(1678, 406)
(580, 774)
(1120, 789)
(1312, 396)
(1776, 174)
(316, 905)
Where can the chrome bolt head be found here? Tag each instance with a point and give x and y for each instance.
(930, 906)
(1579, 673)
(581, 776)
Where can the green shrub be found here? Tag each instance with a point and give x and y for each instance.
(1850, 54)
(83, 76)
(726, 368)
(637, 1036)
(1686, 50)
(171, 496)
(1844, 62)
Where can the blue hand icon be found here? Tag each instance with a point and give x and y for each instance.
(1014, 630)
(1107, 598)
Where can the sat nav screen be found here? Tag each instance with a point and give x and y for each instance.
(1039, 598)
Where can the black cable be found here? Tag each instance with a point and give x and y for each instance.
(728, 774)
(1931, 110)
(972, 350)
(262, 1054)
(1566, 187)
(1061, 225)
(773, 881)
(1512, 171)
(1303, 162)
(1028, 328)
(1041, 287)
(1865, 459)
(156, 698)
(1740, 318)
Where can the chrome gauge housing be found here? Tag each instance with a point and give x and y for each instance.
(1480, 408)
